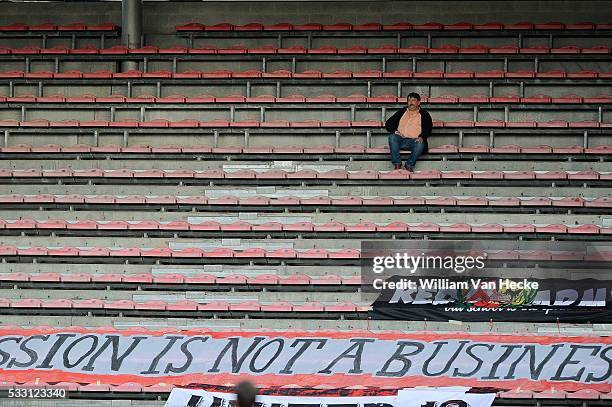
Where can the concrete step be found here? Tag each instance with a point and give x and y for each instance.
(303, 165)
(327, 298)
(221, 324)
(317, 218)
(345, 190)
(187, 270)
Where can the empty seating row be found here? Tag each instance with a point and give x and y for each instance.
(80, 253)
(307, 74)
(218, 174)
(187, 123)
(327, 98)
(18, 27)
(300, 228)
(318, 201)
(203, 279)
(356, 149)
(402, 26)
(327, 49)
(185, 305)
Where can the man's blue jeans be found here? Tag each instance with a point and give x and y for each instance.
(397, 143)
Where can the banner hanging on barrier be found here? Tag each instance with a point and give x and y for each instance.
(310, 358)
(481, 299)
(434, 397)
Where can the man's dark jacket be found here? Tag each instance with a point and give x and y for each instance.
(426, 124)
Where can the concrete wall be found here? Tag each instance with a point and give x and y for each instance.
(164, 16)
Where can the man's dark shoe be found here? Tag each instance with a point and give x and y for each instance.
(409, 168)
(397, 166)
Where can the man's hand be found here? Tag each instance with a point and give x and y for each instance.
(398, 133)
(419, 139)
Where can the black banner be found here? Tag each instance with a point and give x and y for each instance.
(482, 299)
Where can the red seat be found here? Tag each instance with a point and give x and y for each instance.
(394, 227)
(191, 252)
(21, 277)
(263, 279)
(138, 278)
(398, 74)
(317, 200)
(246, 306)
(95, 252)
(341, 307)
(190, 27)
(441, 201)
(569, 49)
(126, 252)
(362, 227)
(282, 253)
(583, 229)
(21, 224)
(72, 27)
(429, 74)
(538, 49)
(458, 26)
(299, 227)
(431, 26)
(536, 99)
(397, 27)
(520, 74)
(46, 277)
(552, 124)
(143, 225)
(119, 304)
(537, 150)
(444, 49)
(551, 74)
(519, 175)
(506, 49)
(327, 49)
(184, 305)
(14, 27)
(52, 224)
(103, 27)
(156, 252)
(599, 49)
(26, 303)
(351, 99)
(237, 226)
(344, 254)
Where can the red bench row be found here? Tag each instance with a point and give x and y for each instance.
(305, 227)
(46, 27)
(185, 305)
(327, 49)
(208, 279)
(308, 74)
(161, 123)
(412, 201)
(286, 253)
(444, 99)
(322, 149)
(402, 26)
(306, 174)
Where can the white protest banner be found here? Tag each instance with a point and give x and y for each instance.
(308, 358)
(444, 398)
(201, 398)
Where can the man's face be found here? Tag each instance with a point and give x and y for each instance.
(413, 104)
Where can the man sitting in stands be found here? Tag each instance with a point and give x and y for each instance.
(409, 128)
